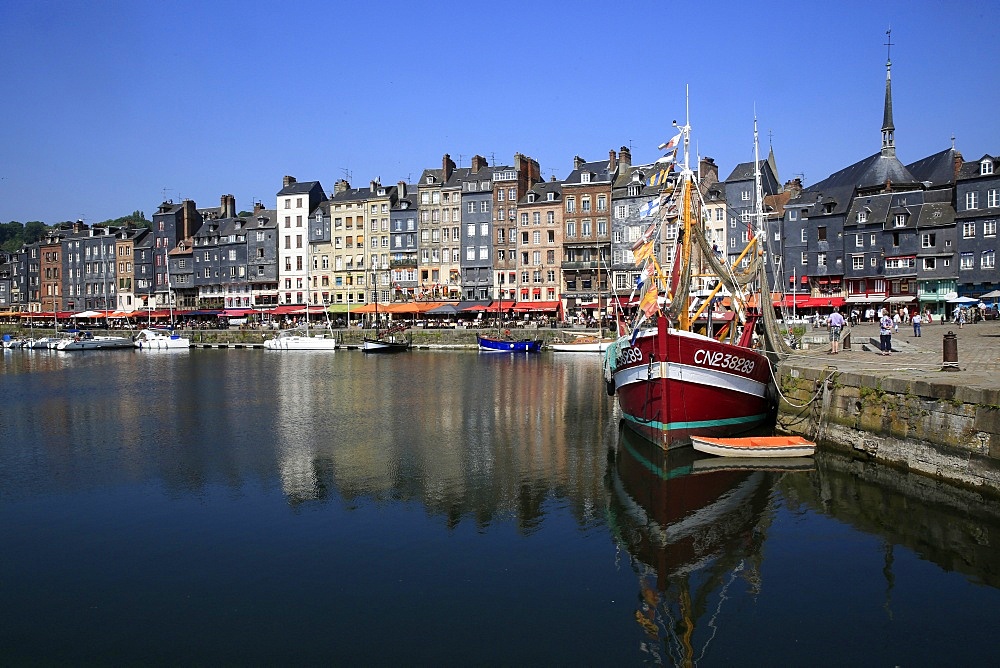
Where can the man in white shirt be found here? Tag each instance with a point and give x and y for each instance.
(836, 324)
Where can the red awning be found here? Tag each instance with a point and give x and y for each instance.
(287, 309)
(805, 279)
(537, 306)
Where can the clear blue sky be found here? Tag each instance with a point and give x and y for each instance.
(107, 105)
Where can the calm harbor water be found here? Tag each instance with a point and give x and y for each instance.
(446, 508)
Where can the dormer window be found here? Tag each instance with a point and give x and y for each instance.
(862, 217)
(633, 190)
(430, 180)
(531, 197)
(986, 167)
(900, 220)
(551, 197)
(585, 177)
(381, 192)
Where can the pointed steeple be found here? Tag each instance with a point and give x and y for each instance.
(888, 142)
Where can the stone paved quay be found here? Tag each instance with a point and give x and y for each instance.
(912, 357)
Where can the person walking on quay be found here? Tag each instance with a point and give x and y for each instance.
(885, 326)
(836, 323)
(916, 320)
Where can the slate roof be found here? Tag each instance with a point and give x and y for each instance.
(599, 170)
(938, 170)
(541, 190)
(970, 170)
(298, 188)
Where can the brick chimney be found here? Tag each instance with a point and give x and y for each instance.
(794, 187)
(959, 161)
(341, 186)
(612, 161)
(191, 220)
(578, 162)
(287, 181)
(478, 163)
(447, 167)
(374, 185)
(227, 206)
(78, 227)
(625, 157)
(258, 207)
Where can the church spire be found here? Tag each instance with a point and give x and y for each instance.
(888, 143)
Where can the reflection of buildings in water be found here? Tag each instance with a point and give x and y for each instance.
(949, 526)
(691, 534)
(467, 435)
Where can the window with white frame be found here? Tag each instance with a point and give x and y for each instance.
(858, 262)
(989, 228)
(804, 259)
(900, 220)
(859, 240)
(928, 240)
(862, 217)
(992, 198)
(621, 211)
(967, 261)
(821, 259)
(968, 230)
(745, 195)
(972, 199)
(930, 263)
(803, 237)
(988, 259)
(986, 167)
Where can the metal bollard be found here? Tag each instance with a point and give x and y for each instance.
(950, 352)
(847, 342)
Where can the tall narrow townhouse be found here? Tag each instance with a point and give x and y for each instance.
(295, 201)
(351, 273)
(742, 199)
(220, 256)
(978, 205)
(50, 251)
(173, 224)
(440, 221)
(379, 203)
(128, 239)
(319, 257)
(510, 184)
(262, 257)
(404, 242)
(936, 248)
(477, 231)
(587, 241)
(540, 248)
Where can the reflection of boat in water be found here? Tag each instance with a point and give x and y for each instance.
(691, 533)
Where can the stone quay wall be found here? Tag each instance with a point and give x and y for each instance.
(905, 410)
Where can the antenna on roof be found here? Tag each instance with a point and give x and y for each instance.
(952, 141)
(493, 159)
(347, 173)
(460, 156)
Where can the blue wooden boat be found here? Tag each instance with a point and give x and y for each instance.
(507, 345)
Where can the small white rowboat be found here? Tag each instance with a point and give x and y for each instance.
(755, 446)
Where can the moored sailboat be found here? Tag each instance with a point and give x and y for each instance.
(503, 342)
(672, 378)
(390, 340)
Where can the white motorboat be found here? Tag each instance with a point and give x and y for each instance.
(582, 344)
(153, 338)
(300, 339)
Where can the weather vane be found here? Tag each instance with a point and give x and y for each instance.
(888, 44)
